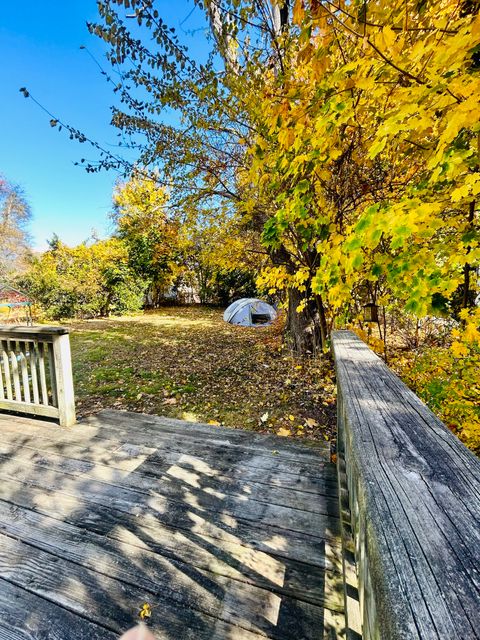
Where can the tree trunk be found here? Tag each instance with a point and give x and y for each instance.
(306, 330)
(280, 16)
(468, 297)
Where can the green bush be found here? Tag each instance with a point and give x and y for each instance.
(86, 281)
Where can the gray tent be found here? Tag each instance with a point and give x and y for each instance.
(250, 312)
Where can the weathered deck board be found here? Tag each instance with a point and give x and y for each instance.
(102, 553)
(98, 519)
(144, 422)
(25, 616)
(223, 487)
(110, 602)
(257, 522)
(104, 511)
(211, 460)
(266, 457)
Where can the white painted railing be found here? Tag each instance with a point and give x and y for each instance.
(36, 372)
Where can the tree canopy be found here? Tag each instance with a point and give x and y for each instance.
(345, 135)
(92, 279)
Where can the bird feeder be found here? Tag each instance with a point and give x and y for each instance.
(370, 312)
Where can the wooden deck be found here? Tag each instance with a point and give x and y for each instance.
(226, 534)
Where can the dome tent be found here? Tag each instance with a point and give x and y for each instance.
(250, 312)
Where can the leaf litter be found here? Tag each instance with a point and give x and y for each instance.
(187, 363)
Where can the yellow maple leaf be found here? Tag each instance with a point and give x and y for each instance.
(389, 36)
(298, 11)
(145, 611)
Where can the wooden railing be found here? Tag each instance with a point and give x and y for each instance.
(414, 494)
(36, 372)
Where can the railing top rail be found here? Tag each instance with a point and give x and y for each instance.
(418, 493)
(40, 330)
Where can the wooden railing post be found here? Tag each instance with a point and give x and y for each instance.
(64, 380)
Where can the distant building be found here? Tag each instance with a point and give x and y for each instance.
(15, 306)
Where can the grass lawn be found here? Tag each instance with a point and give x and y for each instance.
(188, 363)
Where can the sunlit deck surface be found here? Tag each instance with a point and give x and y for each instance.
(224, 533)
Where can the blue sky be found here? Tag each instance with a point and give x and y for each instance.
(40, 49)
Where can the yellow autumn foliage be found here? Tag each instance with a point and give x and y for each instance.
(367, 145)
(447, 379)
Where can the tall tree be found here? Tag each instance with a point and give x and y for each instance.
(15, 215)
(376, 140)
(203, 157)
(150, 233)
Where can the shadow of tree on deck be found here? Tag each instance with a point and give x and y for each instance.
(222, 537)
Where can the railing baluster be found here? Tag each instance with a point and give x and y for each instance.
(24, 370)
(53, 381)
(2, 385)
(33, 371)
(43, 377)
(6, 370)
(15, 372)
